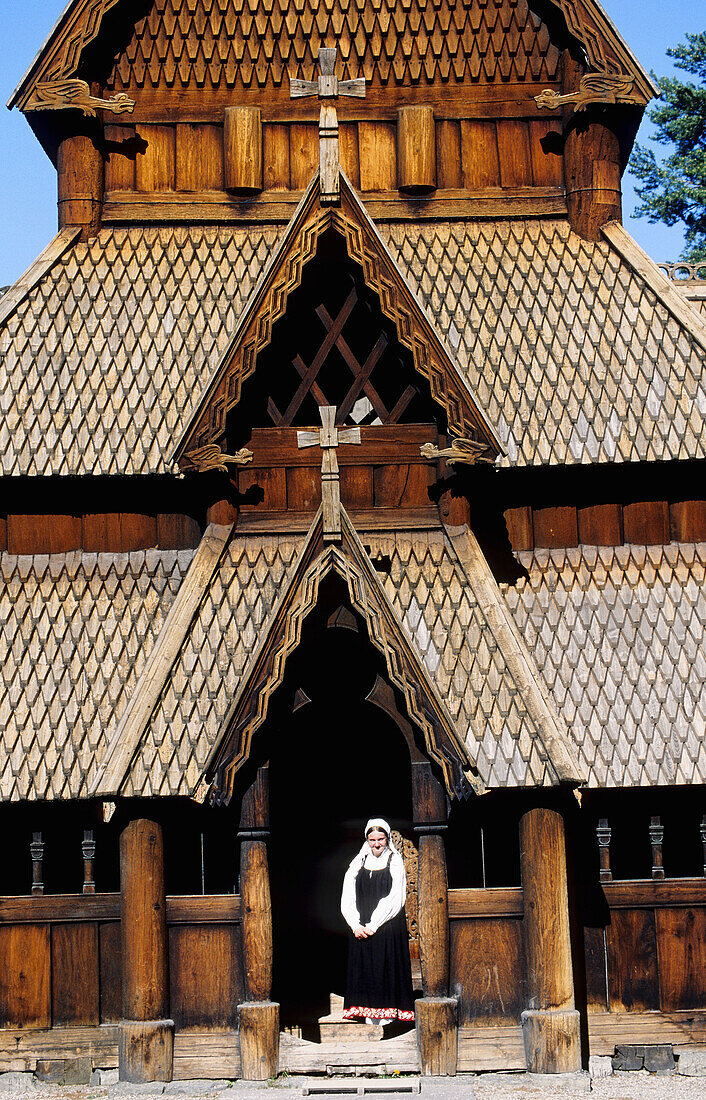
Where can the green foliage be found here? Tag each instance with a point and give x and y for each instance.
(674, 189)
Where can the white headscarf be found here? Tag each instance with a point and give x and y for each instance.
(366, 850)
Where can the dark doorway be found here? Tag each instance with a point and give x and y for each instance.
(335, 761)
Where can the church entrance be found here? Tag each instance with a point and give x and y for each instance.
(336, 759)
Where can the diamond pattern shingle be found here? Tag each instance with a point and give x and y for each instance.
(571, 355)
(421, 40)
(619, 635)
(75, 631)
(114, 344)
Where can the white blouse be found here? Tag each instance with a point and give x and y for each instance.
(389, 906)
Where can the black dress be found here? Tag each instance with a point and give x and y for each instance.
(379, 981)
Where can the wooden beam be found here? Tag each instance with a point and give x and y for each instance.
(364, 519)
(482, 904)
(133, 723)
(550, 1024)
(146, 1035)
(53, 908)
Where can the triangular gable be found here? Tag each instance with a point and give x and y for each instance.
(587, 23)
(283, 274)
(282, 634)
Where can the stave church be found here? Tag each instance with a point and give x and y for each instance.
(352, 458)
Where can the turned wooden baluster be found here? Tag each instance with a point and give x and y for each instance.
(36, 850)
(603, 835)
(88, 850)
(656, 838)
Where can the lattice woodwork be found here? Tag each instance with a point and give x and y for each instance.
(397, 303)
(266, 673)
(229, 42)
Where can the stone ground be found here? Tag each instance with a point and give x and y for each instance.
(486, 1086)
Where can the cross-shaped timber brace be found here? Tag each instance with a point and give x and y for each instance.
(328, 86)
(328, 437)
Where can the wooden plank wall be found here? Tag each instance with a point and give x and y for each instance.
(472, 155)
(63, 969)
(651, 522)
(116, 532)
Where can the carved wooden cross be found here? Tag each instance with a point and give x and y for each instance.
(328, 437)
(328, 86)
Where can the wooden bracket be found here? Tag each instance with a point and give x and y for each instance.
(594, 89)
(60, 95)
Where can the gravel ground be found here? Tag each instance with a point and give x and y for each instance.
(488, 1086)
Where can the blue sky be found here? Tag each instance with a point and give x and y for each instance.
(27, 178)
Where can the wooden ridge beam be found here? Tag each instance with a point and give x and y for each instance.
(131, 727)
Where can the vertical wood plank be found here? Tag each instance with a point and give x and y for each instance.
(75, 973)
(546, 153)
(487, 961)
(688, 520)
(519, 528)
(448, 154)
(199, 157)
(632, 960)
(555, 527)
(266, 489)
(303, 154)
(110, 972)
(42, 534)
(594, 953)
(402, 486)
(514, 153)
(118, 531)
(681, 951)
(203, 975)
(143, 922)
(433, 915)
(155, 168)
(3, 533)
(119, 165)
(176, 531)
(25, 976)
(348, 145)
(646, 522)
(303, 488)
(357, 486)
(479, 155)
(378, 156)
(600, 525)
(275, 156)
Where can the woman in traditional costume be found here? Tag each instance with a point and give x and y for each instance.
(379, 982)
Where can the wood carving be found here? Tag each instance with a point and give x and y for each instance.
(328, 86)
(465, 451)
(410, 857)
(205, 459)
(60, 95)
(595, 88)
(266, 670)
(365, 246)
(328, 437)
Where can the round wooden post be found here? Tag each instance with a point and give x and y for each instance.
(80, 178)
(591, 164)
(146, 1036)
(550, 1025)
(437, 1035)
(416, 150)
(242, 150)
(258, 1016)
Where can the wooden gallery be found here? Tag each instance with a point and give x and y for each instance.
(353, 463)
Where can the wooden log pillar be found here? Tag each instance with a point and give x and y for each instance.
(550, 1024)
(416, 150)
(258, 1016)
(437, 1033)
(80, 177)
(591, 163)
(146, 1036)
(242, 150)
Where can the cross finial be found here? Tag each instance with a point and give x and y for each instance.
(328, 437)
(328, 86)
